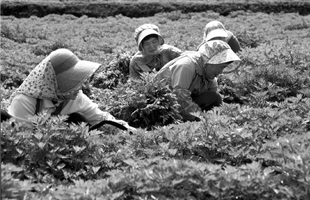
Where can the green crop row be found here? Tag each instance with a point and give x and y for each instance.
(255, 146)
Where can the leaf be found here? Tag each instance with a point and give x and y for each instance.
(172, 151)
(117, 195)
(96, 169)
(61, 166)
(41, 145)
(39, 136)
(176, 182)
(164, 145)
(49, 163)
(131, 162)
(78, 149)
(19, 151)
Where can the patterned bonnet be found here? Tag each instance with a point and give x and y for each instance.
(217, 52)
(58, 74)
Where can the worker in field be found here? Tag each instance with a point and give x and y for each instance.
(215, 30)
(195, 73)
(54, 87)
(153, 53)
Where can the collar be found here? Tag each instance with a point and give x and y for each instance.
(199, 60)
(144, 60)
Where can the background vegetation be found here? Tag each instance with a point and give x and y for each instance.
(142, 8)
(255, 146)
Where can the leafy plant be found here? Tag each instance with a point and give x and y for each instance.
(12, 188)
(254, 146)
(145, 103)
(13, 32)
(116, 73)
(12, 78)
(52, 150)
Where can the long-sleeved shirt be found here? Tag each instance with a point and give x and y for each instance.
(22, 107)
(140, 63)
(185, 72)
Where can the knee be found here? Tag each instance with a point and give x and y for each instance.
(4, 115)
(217, 99)
(210, 100)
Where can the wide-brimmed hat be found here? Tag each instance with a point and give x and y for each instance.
(214, 29)
(145, 30)
(71, 72)
(217, 52)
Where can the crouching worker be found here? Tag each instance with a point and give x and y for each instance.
(153, 53)
(54, 86)
(215, 30)
(194, 73)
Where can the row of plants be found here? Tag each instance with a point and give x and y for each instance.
(235, 151)
(140, 8)
(255, 146)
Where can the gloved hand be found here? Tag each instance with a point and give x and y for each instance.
(121, 124)
(126, 125)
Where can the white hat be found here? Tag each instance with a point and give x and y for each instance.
(145, 30)
(214, 29)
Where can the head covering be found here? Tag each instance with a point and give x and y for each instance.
(217, 52)
(145, 30)
(214, 29)
(58, 74)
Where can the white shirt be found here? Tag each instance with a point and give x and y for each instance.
(22, 107)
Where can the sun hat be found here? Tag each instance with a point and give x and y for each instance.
(145, 30)
(59, 73)
(217, 52)
(71, 72)
(214, 29)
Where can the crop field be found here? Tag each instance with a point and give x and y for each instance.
(255, 146)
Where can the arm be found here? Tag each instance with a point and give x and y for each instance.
(182, 76)
(181, 80)
(174, 52)
(134, 69)
(22, 107)
(93, 114)
(88, 108)
(213, 85)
